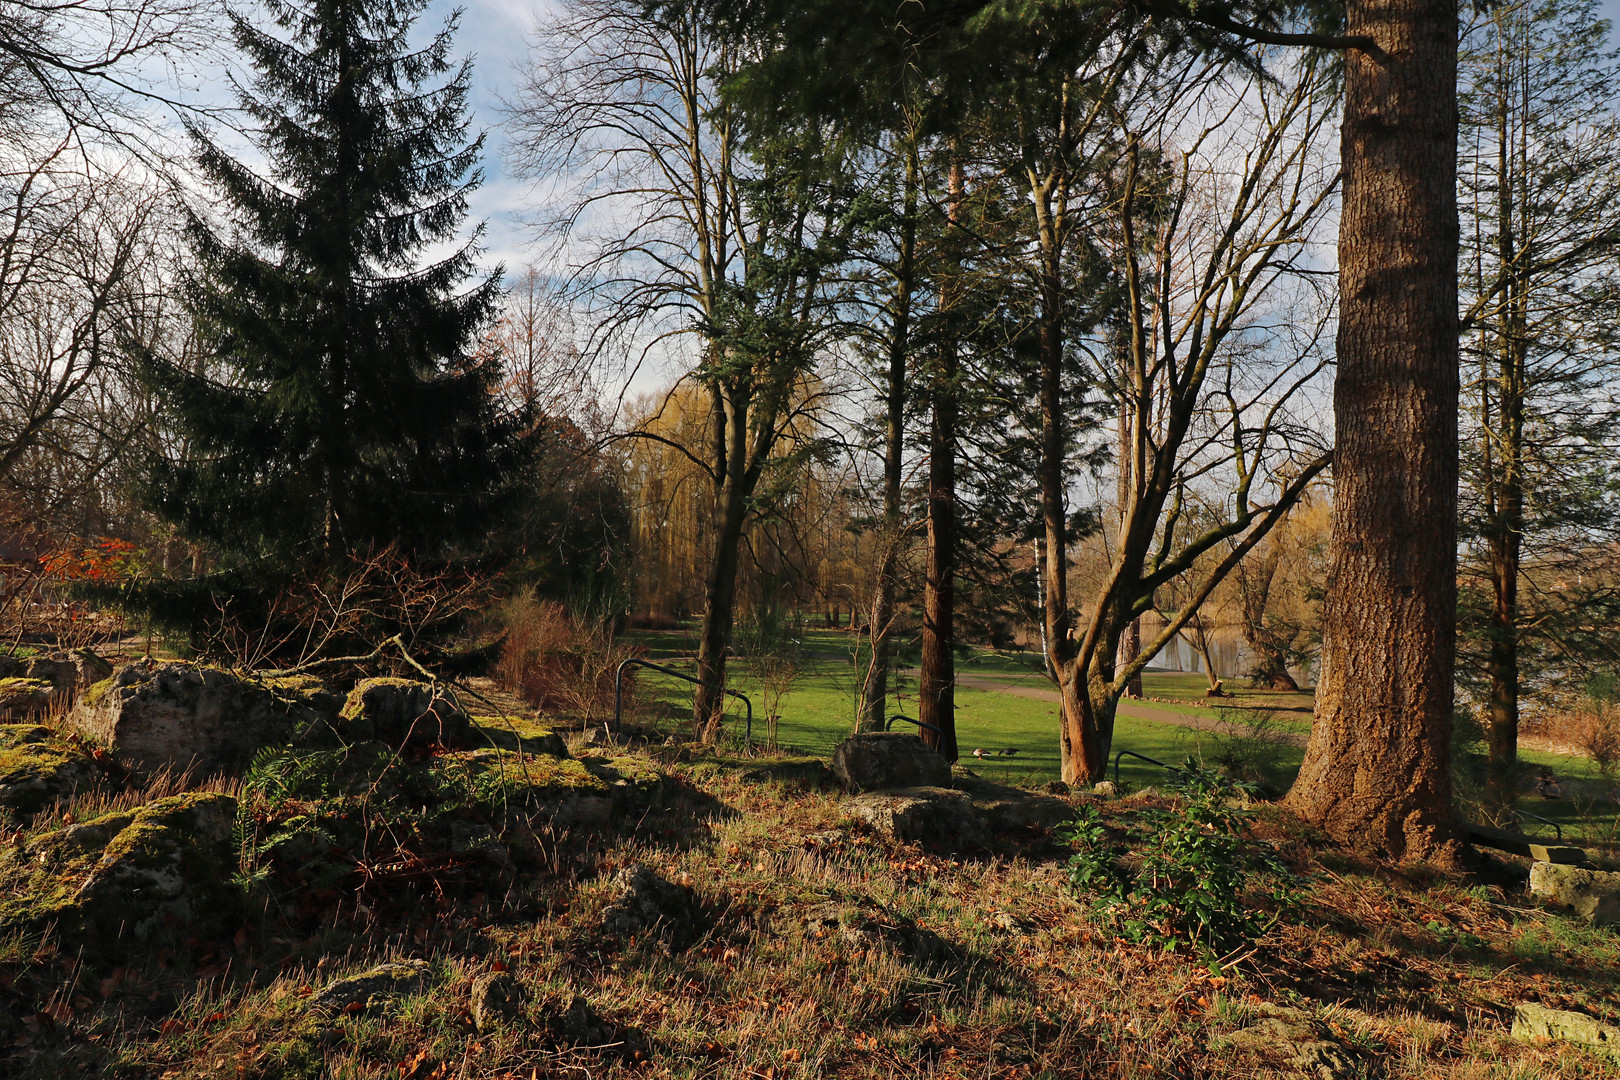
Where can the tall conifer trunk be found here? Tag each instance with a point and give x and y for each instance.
(1504, 478)
(1376, 770)
(875, 689)
(936, 693)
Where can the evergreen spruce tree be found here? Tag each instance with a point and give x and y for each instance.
(343, 408)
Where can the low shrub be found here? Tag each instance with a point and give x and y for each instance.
(1199, 865)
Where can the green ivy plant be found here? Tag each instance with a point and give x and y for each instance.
(1199, 865)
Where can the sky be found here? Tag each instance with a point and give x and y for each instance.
(496, 33)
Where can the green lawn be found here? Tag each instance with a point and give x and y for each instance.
(818, 711)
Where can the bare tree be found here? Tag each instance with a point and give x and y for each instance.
(1540, 185)
(83, 259)
(1222, 192)
(95, 67)
(671, 230)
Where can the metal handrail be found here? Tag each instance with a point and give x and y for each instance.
(889, 724)
(1142, 757)
(618, 693)
(1558, 830)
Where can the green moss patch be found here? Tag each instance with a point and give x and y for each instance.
(496, 775)
(19, 692)
(37, 771)
(98, 691)
(13, 735)
(517, 733)
(354, 708)
(130, 876)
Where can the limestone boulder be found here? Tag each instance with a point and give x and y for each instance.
(58, 670)
(926, 815)
(1592, 894)
(159, 873)
(91, 667)
(518, 733)
(172, 715)
(38, 769)
(877, 760)
(22, 698)
(168, 869)
(403, 712)
(1013, 810)
(966, 815)
(537, 787)
(1536, 1023)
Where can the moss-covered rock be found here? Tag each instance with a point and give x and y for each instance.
(22, 697)
(158, 873)
(507, 782)
(517, 733)
(631, 781)
(37, 768)
(12, 735)
(301, 692)
(178, 715)
(402, 712)
(97, 692)
(373, 986)
(58, 671)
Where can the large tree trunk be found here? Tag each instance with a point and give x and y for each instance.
(1076, 728)
(1058, 628)
(1376, 770)
(1502, 668)
(875, 690)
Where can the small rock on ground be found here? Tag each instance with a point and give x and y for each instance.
(373, 986)
(496, 1000)
(648, 905)
(877, 760)
(1592, 894)
(861, 923)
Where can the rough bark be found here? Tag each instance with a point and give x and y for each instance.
(1376, 770)
(1062, 657)
(1504, 526)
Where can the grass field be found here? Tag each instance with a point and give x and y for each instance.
(818, 710)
